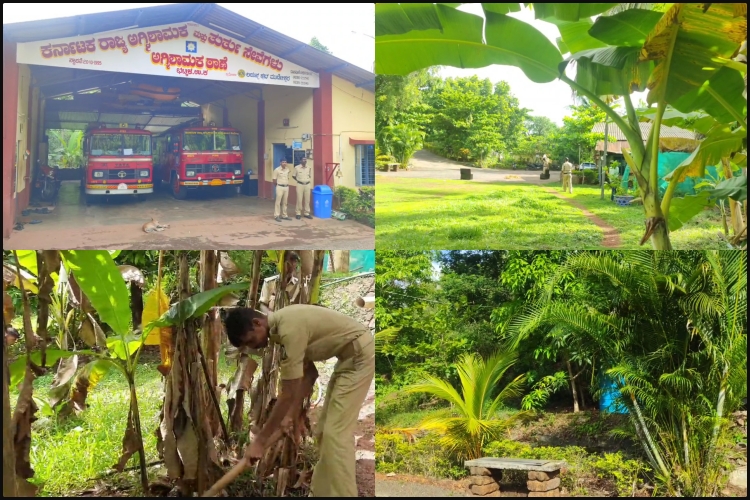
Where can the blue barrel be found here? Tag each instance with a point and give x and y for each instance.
(608, 400)
(322, 198)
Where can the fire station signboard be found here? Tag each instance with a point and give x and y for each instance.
(184, 50)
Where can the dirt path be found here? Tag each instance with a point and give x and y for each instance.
(427, 165)
(412, 486)
(611, 236)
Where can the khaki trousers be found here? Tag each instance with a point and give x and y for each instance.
(567, 182)
(303, 208)
(335, 473)
(282, 193)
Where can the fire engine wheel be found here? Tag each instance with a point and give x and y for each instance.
(179, 192)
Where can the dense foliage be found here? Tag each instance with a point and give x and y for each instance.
(670, 328)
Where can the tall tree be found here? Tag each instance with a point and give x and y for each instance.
(314, 42)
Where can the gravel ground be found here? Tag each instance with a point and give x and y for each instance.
(396, 487)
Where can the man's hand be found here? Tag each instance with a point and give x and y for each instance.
(255, 450)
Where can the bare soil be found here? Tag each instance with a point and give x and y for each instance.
(611, 236)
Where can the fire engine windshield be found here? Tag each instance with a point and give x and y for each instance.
(211, 140)
(120, 145)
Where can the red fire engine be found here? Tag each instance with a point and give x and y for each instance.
(117, 161)
(199, 158)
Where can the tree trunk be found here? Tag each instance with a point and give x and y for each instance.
(10, 488)
(341, 261)
(211, 331)
(572, 385)
(185, 438)
(582, 389)
(735, 210)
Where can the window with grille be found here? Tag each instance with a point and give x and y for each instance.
(365, 164)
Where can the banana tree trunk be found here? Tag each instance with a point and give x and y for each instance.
(48, 262)
(185, 438)
(211, 330)
(10, 488)
(341, 261)
(735, 210)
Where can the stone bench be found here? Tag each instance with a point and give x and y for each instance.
(486, 473)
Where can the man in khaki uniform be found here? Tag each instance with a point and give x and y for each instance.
(567, 176)
(308, 333)
(303, 176)
(281, 176)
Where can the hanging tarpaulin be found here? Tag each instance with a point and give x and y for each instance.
(182, 49)
(360, 261)
(670, 161)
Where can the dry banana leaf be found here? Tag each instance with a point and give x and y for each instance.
(91, 333)
(130, 443)
(87, 379)
(60, 388)
(23, 417)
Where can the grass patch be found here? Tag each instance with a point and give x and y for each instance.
(66, 454)
(700, 233)
(448, 214)
(433, 213)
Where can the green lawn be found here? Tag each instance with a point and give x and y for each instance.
(65, 455)
(448, 214)
(699, 234)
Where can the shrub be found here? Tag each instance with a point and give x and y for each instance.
(382, 161)
(423, 456)
(590, 176)
(611, 467)
(358, 203)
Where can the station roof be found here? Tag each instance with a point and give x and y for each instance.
(208, 14)
(670, 138)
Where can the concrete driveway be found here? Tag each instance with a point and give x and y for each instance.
(201, 222)
(427, 165)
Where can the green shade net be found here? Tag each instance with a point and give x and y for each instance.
(360, 261)
(667, 163)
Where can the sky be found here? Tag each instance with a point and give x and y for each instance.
(346, 29)
(544, 99)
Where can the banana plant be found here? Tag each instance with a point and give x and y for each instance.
(681, 52)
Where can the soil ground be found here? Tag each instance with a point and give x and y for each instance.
(203, 221)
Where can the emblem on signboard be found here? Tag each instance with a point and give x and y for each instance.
(214, 168)
(241, 73)
(191, 47)
(122, 174)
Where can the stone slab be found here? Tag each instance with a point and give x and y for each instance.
(516, 464)
(543, 485)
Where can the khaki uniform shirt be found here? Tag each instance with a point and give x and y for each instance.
(281, 175)
(303, 174)
(567, 167)
(310, 333)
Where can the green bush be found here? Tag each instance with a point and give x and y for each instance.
(612, 467)
(590, 176)
(359, 204)
(424, 456)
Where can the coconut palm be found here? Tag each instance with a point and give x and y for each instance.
(475, 421)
